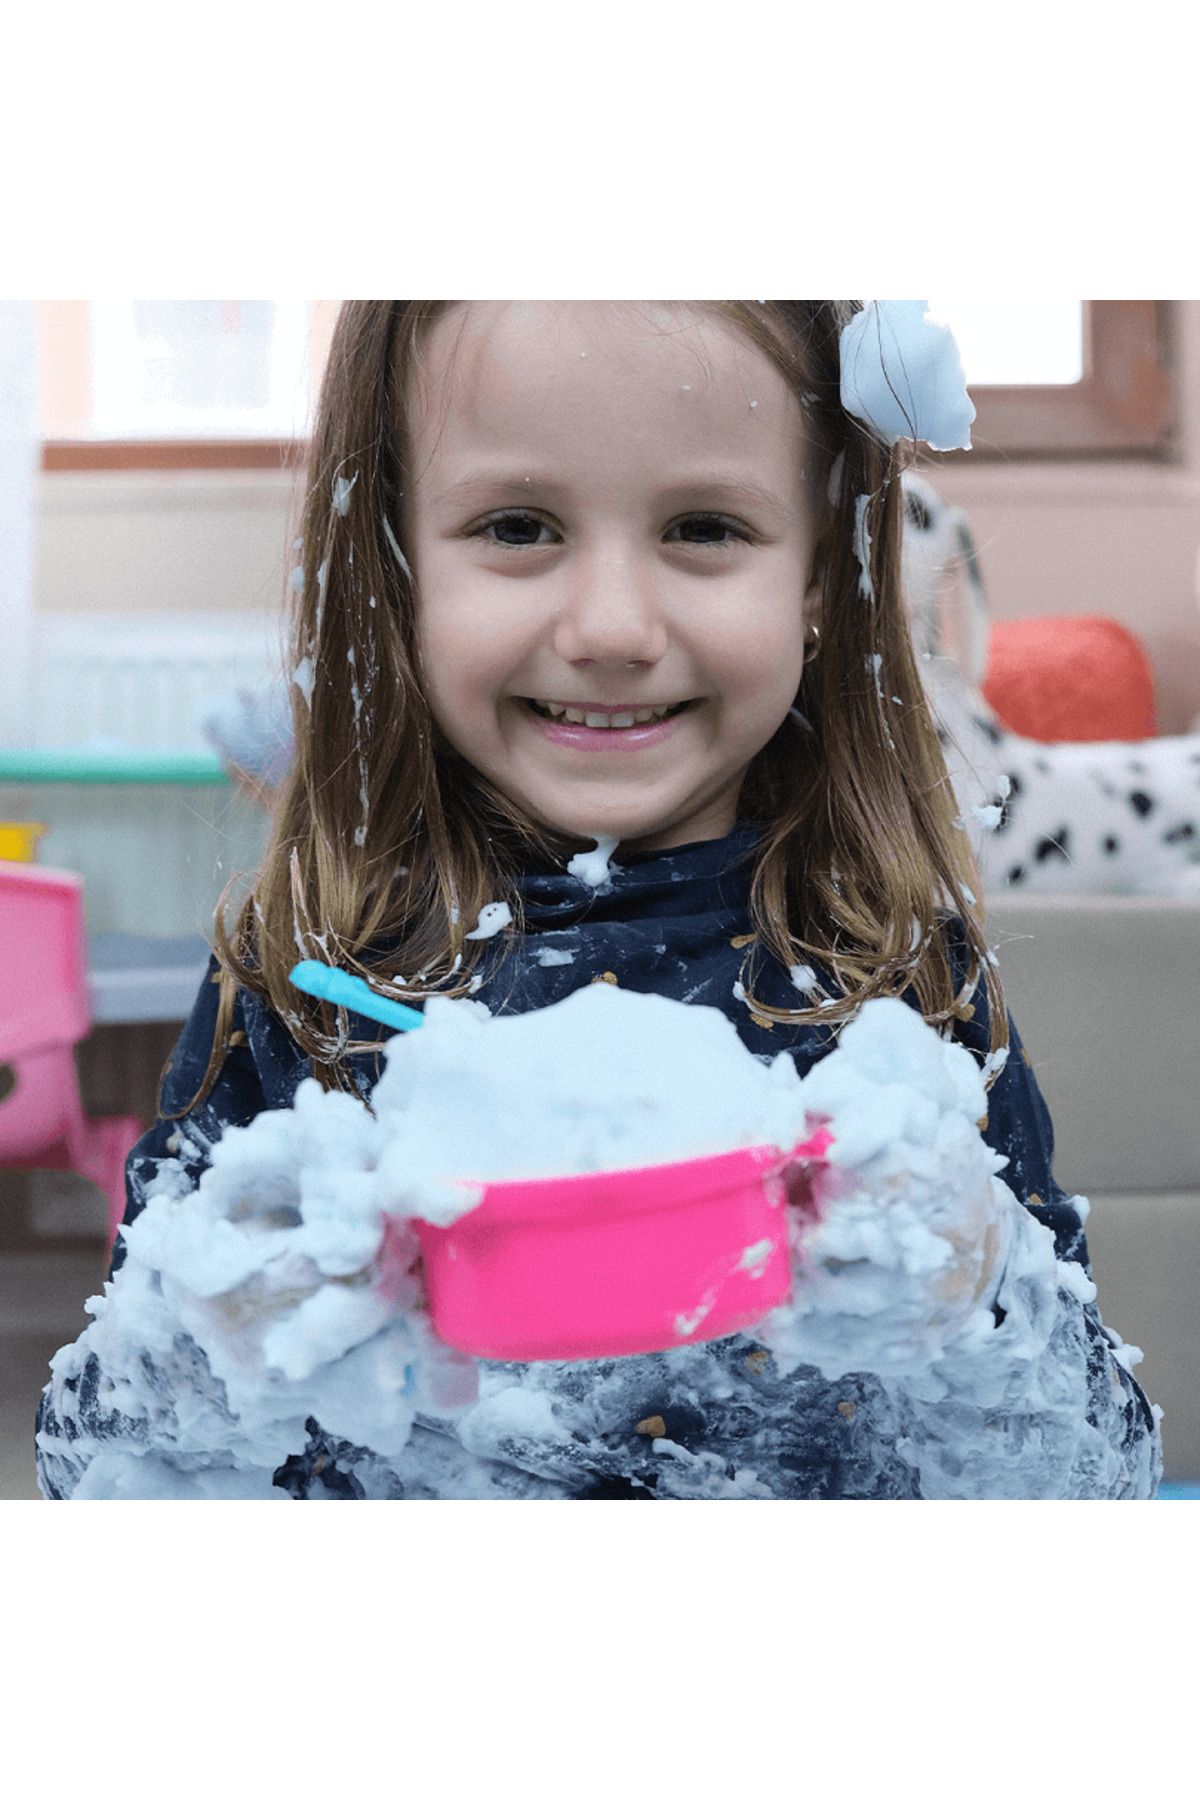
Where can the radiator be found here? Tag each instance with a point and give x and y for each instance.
(153, 858)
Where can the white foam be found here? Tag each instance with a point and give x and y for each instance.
(591, 866)
(902, 375)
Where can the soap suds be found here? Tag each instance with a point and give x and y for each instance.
(591, 866)
(492, 918)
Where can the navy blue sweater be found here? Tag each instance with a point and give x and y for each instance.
(665, 923)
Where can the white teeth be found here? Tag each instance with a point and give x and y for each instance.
(575, 715)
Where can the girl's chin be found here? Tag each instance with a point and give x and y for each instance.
(632, 829)
(581, 808)
(586, 828)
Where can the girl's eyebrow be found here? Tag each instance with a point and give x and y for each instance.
(732, 489)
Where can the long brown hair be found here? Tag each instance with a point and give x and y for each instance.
(385, 843)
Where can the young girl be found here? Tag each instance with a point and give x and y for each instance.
(528, 526)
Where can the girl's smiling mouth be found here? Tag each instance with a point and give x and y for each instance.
(595, 727)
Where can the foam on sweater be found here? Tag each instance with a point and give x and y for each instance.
(251, 1304)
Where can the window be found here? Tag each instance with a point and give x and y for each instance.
(232, 383)
(210, 368)
(1022, 343)
(179, 383)
(1069, 379)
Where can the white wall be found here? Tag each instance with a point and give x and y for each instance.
(144, 541)
(19, 458)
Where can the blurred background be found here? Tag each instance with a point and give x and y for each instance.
(151, 461)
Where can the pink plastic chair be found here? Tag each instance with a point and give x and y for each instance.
(44, 1012)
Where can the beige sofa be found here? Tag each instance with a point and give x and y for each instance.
(1106, 995)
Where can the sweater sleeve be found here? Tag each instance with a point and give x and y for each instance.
(239, 1327)
(1040, 1400)
(186, 1141)
(110, 1399)
(948, 1265)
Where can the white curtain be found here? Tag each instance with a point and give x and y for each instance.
(20, 447)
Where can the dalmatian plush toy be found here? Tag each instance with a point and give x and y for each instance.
(1063, 818)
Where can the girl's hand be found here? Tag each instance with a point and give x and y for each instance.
(270, 1266)
(899, 1265)
(978, 1237)
(913, 1224)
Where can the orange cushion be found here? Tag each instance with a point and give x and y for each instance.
(1083, 680)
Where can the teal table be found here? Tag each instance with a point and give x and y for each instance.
(182, 768)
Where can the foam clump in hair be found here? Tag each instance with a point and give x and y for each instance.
(903, 377)
(341, 494)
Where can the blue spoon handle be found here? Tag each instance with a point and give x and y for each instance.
(354, 994)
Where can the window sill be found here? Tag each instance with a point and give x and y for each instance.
(162, 455)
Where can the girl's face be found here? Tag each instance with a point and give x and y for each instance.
(607, 513)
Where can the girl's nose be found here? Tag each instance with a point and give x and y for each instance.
(611, 613)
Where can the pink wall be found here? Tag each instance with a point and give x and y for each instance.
(1118, 538)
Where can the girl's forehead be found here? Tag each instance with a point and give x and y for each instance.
(507, 375)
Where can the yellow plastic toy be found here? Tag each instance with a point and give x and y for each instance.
(18, 841)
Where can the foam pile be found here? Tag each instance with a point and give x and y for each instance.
(255, 1297)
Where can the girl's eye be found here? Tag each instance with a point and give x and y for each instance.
(716, 525)
(524, 526)
(521, 531)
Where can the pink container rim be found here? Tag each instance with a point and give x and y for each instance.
(616, 1262)
(562, 1199)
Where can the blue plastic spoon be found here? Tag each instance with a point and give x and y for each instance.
(354, 994)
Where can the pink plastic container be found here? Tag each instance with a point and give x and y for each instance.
(620, 1263)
